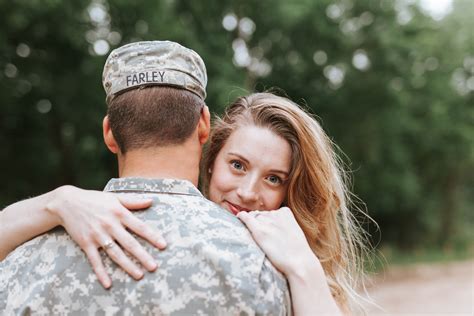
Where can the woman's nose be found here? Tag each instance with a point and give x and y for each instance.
(247, 191)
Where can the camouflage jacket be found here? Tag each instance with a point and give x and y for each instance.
(211, 265)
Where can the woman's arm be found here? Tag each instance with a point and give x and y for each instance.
(94, 219)
(309, 289)
(284, 243)
(24, 220)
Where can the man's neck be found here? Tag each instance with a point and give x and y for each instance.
(176, 162)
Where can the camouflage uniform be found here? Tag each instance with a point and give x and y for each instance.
(211, 266)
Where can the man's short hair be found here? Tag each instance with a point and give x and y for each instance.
(153, 116)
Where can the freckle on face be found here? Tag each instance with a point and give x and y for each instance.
(265, 152)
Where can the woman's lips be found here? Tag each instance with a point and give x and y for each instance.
(235, 209)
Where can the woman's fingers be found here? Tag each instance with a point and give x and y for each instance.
(138, 226)
(105, 241)
(279, 236)
(143, 230)
(134, 203)
(131, 245)
(119, 257)
(249, 219)
(94, 258)
(100, 220)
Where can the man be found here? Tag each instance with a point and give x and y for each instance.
(157, 123)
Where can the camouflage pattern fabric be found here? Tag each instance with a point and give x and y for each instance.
(211, 266)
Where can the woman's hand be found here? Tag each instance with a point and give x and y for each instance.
(284, 243)
(96, 219)
(280, 237)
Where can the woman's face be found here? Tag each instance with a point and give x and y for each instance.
(251, 171)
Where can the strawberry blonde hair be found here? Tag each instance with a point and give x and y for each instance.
(317, 192)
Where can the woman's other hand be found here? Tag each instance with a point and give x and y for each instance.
(284, 243)
(280, 237)
(96, 219)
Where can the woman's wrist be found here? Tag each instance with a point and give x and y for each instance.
(57, 202)
(305, 269)
(309, 284)
(310, 278)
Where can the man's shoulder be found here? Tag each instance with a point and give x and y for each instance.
(193, 211)
(189, 221)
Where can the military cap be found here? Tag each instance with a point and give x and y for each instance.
(150, 63)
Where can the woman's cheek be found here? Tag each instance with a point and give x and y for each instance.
(225, 181)
(277, 199)
(221, 181)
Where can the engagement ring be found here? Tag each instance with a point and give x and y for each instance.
(108, 245)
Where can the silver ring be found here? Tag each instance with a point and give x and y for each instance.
(108, 245)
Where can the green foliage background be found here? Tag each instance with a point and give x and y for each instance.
(406, 122)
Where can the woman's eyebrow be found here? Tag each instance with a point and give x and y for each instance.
(286, 173)
(240, 157)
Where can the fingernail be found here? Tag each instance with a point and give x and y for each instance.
(138, 274)
(107, 283)
(151, 265)
(161, 242)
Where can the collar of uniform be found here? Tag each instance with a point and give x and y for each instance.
(141, 185)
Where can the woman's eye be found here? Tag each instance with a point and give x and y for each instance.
(274, 180)
(237, 165)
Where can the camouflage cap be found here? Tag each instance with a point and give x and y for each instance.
(154, 63)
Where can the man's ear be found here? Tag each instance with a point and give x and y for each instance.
(204, 125)
(109, 138)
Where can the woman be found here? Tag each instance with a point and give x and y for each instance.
(266, 153)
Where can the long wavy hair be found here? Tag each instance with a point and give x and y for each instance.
(317, 193)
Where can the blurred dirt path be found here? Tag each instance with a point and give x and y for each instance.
(434, 289)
